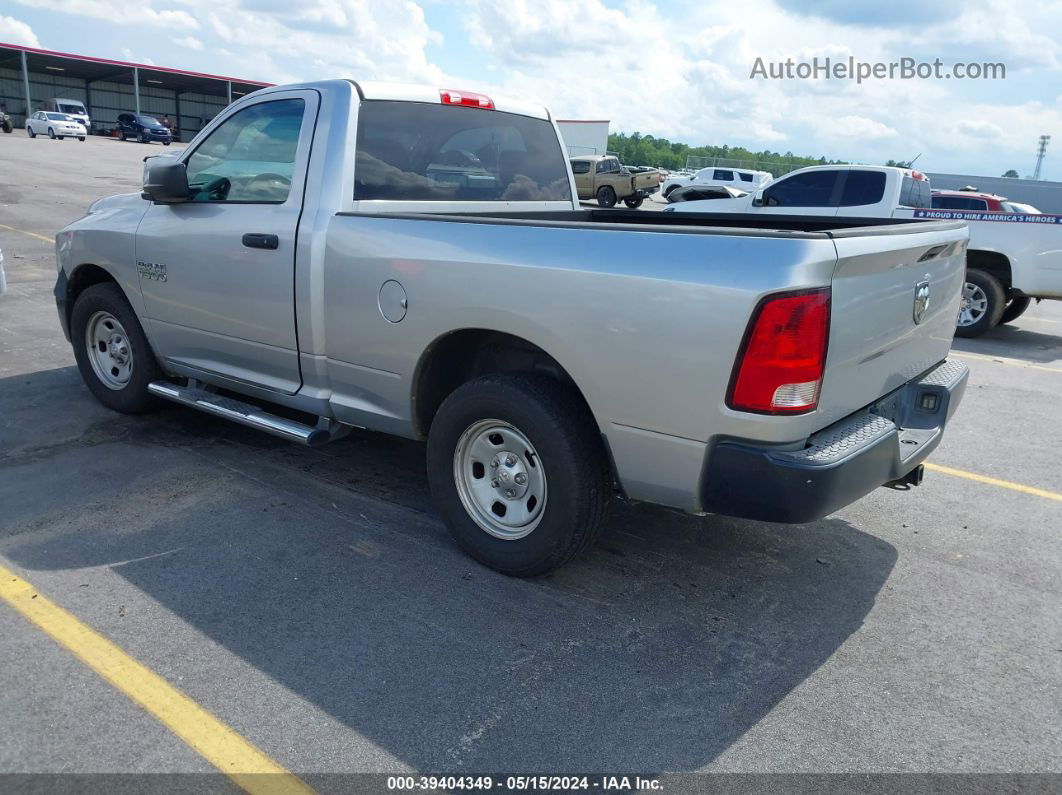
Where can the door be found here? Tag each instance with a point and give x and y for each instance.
(217, 272)
(808, 193)
(584, 178)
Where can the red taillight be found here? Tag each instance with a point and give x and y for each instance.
(467, 98)
(780, 365)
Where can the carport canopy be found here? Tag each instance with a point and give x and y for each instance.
(58, 74)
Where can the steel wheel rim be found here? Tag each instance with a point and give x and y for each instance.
(500, 479)
(109, 350)
(973, 306)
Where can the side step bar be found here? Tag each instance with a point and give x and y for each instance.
(246, 414)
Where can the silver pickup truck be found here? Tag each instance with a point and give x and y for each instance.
(413, 261)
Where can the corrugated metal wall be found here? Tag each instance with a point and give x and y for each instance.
(105, 100)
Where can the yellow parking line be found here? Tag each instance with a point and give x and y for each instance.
(230, 753)
(1005, 484)
(31, 234)
(1004, 360)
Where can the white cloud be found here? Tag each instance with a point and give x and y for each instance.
(14, 31)
(979, 128)
(862, 127)
(122, 13)
(188, 42)
(670, 69)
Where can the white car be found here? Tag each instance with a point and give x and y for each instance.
(712, 177)
(54, 125)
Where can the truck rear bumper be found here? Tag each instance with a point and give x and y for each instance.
(840, 463)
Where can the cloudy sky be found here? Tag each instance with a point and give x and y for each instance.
(674, 68)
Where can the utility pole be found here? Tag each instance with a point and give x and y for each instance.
(1041, 151)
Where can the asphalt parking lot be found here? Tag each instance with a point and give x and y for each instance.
(311, 600)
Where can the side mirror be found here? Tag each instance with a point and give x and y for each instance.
(757, 199)
(167, 184)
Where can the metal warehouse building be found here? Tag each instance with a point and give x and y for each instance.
(30, 76)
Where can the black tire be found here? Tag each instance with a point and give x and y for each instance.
(133, 398)
(165, 143)
(606, 196)
(81, 137)
(634, 202)
(51, 133)
(671, 189)
(7, 127)
(1015, 309)
(564, 434)
(122, 136)
(142, 138)
(31, 133)
(59, 137)
(996, 301)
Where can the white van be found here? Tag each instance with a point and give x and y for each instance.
(74, 108)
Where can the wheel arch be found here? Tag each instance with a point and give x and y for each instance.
(991, 262)
(459, 355)
(80, 278)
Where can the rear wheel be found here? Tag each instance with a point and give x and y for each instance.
(7, 126)
(634, 202)
(29, 130)
(112, 353)
(671, 189)
(518, 472)
(606, 196)
(142, 138)
(983, 301)
(81, 137)
(1015, 309)
(51, 133)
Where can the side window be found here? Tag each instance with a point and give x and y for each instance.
(723, 175)
(745, 177)
(580, 166)
(251, 156)
(602, 166)
(812, 189)
(863, 187)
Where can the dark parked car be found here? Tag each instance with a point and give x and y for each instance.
(143, 128)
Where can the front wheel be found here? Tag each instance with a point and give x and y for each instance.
(1015, 309)
(606, 196)
(7, 126)
(982, 304)
(165, 143)
(634, 202)
(81, 137)
(518, 471)
(112, 353)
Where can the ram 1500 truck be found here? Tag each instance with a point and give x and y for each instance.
(414, 261)
(1011, 259)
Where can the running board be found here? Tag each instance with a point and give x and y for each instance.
(247, 414)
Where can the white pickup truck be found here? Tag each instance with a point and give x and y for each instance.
(740, 178)
(1012, 258)
(414, 261)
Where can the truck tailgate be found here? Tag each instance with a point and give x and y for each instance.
(895, 297)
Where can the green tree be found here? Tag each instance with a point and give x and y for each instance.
(1011, 174)
(647, 150)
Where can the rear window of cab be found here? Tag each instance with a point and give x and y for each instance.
(416, 151)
